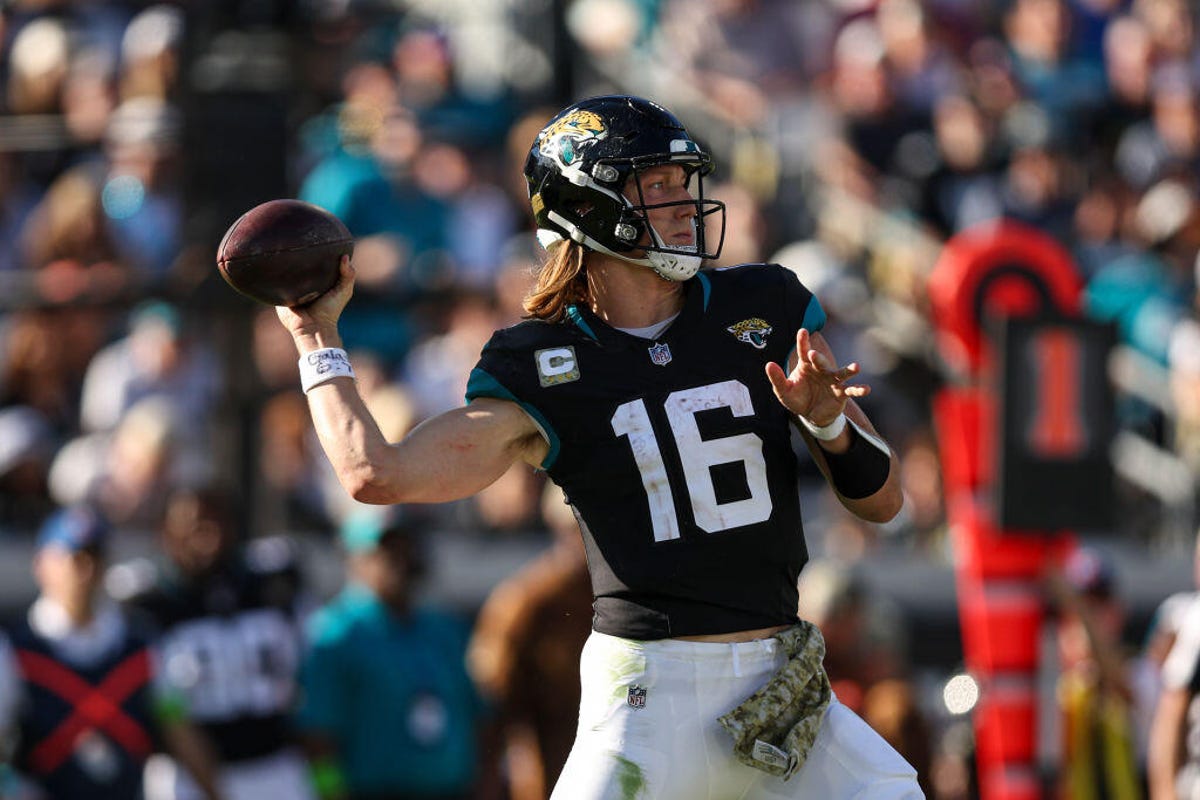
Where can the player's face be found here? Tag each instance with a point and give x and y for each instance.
(66, 577)
(387, 569)
(667, 183)
(194, 536)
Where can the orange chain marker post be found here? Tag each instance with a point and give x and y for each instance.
(1024, 425)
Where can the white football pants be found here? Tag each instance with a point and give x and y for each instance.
(648, 730)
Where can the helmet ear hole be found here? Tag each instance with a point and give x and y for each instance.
(627, 232)
(606, 173)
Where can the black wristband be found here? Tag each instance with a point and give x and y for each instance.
(862, 469)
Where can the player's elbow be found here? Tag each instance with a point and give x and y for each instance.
(887, 508)
(367, 485)
(881, 507)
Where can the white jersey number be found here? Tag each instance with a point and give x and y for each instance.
(698, 456)
(226, 667)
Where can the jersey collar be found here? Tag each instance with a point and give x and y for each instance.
(697, 292)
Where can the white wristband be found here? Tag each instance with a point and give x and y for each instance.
(825, 432)
(324, 365)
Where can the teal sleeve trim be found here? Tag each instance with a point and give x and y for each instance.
(481, 384)
(706, 285)
(814, 315)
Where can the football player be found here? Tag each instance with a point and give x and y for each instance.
(661, 399)
(80, 688)
(227, 618)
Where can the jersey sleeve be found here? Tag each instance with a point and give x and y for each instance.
(802, 305)
(802, 309)
(1179, 670)
(498, 375)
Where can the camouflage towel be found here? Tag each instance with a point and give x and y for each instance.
(775, 728)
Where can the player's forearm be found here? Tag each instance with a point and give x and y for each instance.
(883, 505)
(882, 498)
(363, 460)
(1166, 744)
(191, 749)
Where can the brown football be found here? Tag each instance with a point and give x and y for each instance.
(284, 252)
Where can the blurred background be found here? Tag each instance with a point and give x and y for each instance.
(852, 138)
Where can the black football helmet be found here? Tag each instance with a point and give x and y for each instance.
(578, 167)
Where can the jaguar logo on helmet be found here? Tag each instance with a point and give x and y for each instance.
(563, 140)
(753, 331)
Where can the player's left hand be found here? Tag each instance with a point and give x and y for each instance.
(816, 387)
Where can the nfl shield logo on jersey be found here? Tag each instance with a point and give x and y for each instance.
(637, 696)
(660, 354)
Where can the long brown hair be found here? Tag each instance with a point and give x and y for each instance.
(561, 282)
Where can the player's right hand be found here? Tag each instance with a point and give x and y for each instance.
(317, 321)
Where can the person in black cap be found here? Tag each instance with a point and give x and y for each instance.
(83, 708)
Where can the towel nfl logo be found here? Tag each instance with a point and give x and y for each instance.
(660, 354)
(637, 697)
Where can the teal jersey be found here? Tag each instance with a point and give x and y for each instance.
(393, 695)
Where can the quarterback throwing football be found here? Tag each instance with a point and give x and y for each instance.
(661, 399)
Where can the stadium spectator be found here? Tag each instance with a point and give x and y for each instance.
(81, 693)
(143, 195)
(388, 708)
(1148, 291)
(27, 444)
(18, 197)
(480, 217)
(1174, 752)
(1095, 692)
(129, 472)
(227, 617)
(89, 94)
(1146, 669)
(157, 358)
(69, 225)
(1171, 25)
(524, 654)
(44, 355)
(367, 179)
(1129, 67)
(151, 52)
(436, 369)
(1067, 88)
(922, 67)
(1183, 359)
(38, 61)
(423, 60)
(1168, 142)
(963, 188)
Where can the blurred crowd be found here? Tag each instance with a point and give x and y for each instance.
(852, 138)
